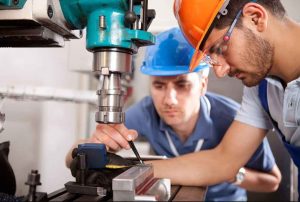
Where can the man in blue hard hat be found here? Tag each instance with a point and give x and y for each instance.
(175, 123)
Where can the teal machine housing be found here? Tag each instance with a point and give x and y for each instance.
(105, 23)
(12, 4)
(115, 29)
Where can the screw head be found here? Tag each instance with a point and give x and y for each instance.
(15, 2)
(50, 11)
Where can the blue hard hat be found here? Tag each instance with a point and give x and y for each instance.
(170, 55)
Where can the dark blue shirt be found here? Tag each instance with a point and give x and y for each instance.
(216, 114)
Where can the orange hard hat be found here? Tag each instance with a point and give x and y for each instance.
(196, 16)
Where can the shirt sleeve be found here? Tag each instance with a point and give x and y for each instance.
(251, 111)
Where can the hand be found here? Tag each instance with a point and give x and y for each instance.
(114, 136)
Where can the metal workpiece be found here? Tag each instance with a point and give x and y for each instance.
(110, 99)
(138, 184)
(112, 60)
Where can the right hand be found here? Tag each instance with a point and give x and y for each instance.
(114, 136)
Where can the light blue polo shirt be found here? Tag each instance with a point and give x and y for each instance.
(284, 106)
(216, 114)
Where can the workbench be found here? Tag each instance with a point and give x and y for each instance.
(187, 193)
(178, 193)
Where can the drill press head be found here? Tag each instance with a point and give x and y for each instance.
(115, 31)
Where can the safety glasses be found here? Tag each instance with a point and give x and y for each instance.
(210, 54)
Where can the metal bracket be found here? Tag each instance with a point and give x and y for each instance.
(223, 10)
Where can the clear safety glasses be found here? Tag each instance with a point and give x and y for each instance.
(210, 54)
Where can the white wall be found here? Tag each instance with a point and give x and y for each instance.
(40, 132)
(164, 15)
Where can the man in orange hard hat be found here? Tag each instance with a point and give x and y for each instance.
(257, 43)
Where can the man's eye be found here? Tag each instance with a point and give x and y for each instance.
(158, 86)
(212, 50)
(182, 86)
(216, 49)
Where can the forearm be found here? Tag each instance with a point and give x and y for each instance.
(216, 165)
(195, 169)
(257, 181)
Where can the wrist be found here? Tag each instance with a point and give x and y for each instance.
(240, 176)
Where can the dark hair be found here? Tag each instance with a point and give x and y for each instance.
(275, 7)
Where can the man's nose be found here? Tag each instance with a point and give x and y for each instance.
(170, 96)
(221, 69)
(220, 65)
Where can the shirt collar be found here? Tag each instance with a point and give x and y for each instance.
(276, 82)
(296, 81)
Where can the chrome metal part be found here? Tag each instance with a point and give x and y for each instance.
(110, 64)
(102, 23)
(112, 59)
(110, 99)
(138, 184)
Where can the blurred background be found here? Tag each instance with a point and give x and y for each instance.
(41, 133)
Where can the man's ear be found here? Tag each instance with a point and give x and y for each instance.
(204, 82)
(256, 16)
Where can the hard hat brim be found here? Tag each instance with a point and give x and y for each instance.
(170, 70)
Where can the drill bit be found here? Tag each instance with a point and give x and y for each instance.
(135, 151)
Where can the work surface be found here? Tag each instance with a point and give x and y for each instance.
(185, 193)
(178, 193)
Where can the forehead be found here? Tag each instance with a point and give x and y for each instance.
(173, 78)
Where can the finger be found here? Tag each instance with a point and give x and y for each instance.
(108, 141)
(102, 136)
(93, 139)
(116, 135)
(130, 135)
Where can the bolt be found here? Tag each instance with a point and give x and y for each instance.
(50, 11)
(15, 2)
(80, 33)
(102, 23)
